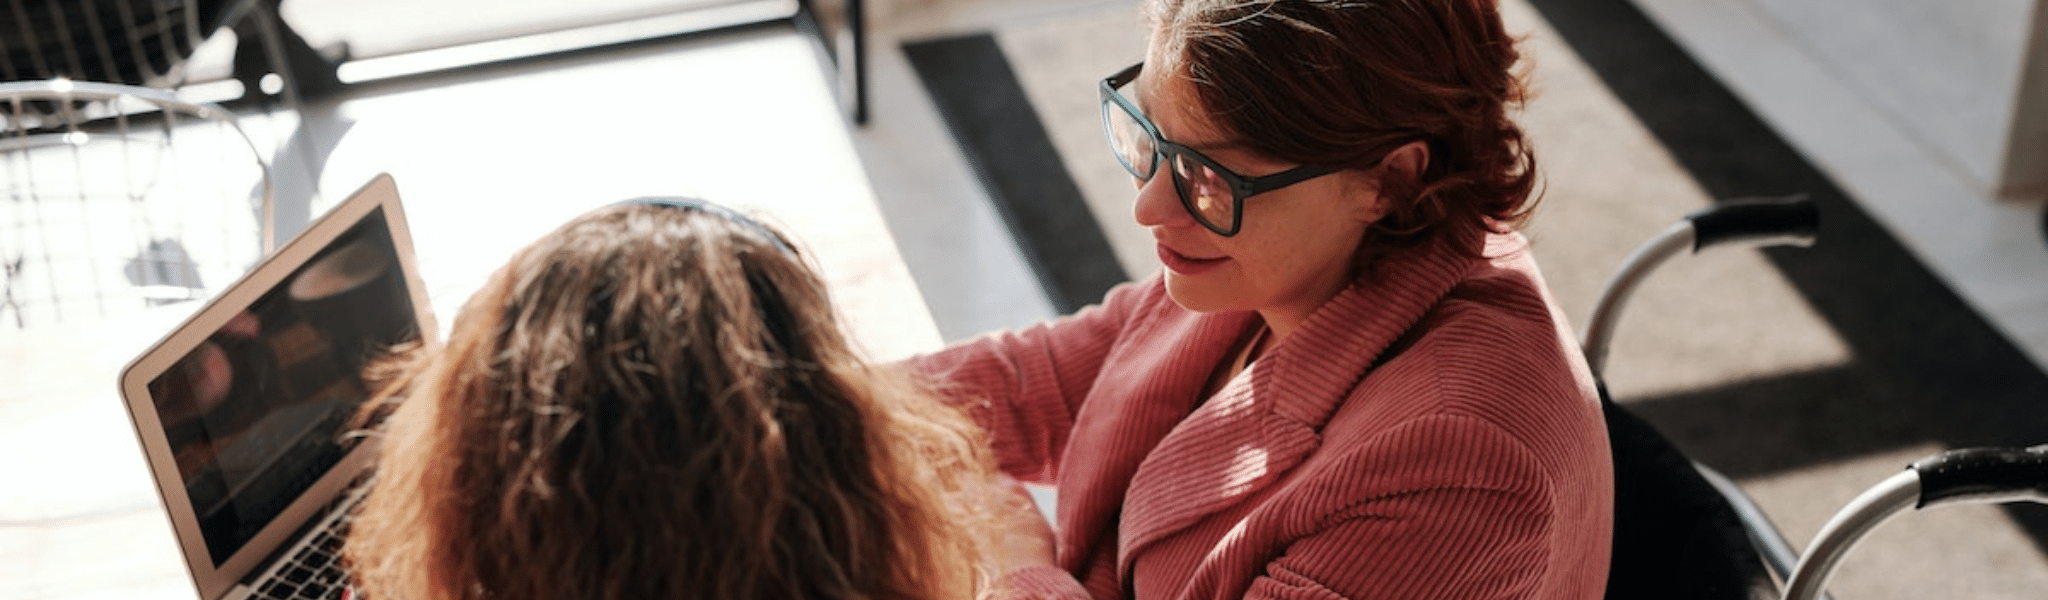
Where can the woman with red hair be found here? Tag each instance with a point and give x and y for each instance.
(1349, 380)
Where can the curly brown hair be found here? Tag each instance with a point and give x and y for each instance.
(1342, 83)
(659, 403)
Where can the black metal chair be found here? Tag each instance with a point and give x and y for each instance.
(123, 197)
(134, 42)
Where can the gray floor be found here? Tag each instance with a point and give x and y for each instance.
(490, 158)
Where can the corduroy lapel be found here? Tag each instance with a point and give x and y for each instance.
(1128, 411)
(1265, 422)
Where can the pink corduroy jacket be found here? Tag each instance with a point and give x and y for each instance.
(1431, 432)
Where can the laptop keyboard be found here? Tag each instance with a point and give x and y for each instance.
(313, 571)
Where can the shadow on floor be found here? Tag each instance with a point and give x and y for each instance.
(1925, 368)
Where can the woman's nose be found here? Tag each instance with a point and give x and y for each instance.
(1158, 204)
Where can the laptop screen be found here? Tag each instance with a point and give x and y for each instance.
(259, 411)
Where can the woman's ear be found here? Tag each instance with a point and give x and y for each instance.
(1407, 161)
(1404, 163)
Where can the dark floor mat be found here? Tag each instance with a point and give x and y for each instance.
(985, 108)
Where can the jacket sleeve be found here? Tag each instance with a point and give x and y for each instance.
(1458, 510)
(1025, 386)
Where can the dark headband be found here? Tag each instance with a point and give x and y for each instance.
(728, 214)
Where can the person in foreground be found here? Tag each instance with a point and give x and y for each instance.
(1349, 381)
(654, 401)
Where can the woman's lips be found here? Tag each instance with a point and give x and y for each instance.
(1188, 265)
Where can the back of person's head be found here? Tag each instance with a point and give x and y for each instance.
(655, 401)
(1342, 83)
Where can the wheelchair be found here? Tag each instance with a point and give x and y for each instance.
(1682, 529)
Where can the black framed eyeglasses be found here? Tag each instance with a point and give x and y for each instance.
(1213, 194)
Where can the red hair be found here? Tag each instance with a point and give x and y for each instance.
(1342, 83)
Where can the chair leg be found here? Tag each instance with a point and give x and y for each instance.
(13, 269)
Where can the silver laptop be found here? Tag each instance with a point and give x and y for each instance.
(245, 410)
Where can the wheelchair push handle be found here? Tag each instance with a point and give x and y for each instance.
(1783, 220)
(1986, 475)
(1777, 221)
(1983, 475)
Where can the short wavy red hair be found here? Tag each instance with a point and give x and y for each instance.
(1341, 83)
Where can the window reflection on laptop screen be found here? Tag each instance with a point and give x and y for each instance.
(258, 412)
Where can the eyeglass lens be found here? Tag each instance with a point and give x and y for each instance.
(1133, 145)
(1201, 188)
(1204, 192)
